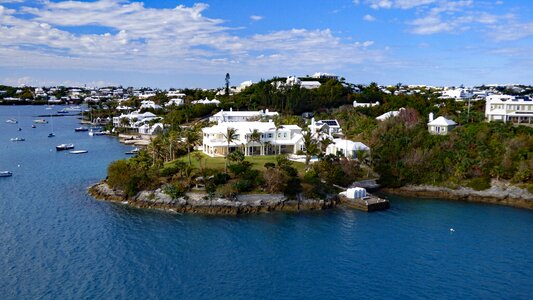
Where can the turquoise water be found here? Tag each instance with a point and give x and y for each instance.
(56, 242)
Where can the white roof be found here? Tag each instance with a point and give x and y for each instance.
(387, 115)
(241, 127)
(442, 121)
(350, 145)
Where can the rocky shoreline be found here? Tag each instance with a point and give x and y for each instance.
(500, 193)
(199, 203)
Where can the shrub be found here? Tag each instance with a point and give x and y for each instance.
(221, 178)
(480, 183)
(227, 191)
(174, 190)
(243, 185)
(270, 165)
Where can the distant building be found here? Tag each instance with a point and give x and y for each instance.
(508, 108)
(241, 116)
(346, 147)
(356, 104)
(459, 93)
(330, 127)
(389, 114)
(440, 125)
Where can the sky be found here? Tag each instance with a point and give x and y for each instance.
(177, 44)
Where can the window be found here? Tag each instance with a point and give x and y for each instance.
(270, 135)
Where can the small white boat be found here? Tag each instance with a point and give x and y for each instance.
(64, 147)
(93, 132)
(133, 151)
(12, 121)
(40, 121)
(17, 139)
(78, 151)
(5, 174)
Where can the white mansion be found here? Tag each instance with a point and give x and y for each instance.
(509, 109)
(285, 139)
(274, 140)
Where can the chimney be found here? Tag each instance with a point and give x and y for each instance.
(430, 117)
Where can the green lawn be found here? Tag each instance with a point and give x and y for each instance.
(257, 161)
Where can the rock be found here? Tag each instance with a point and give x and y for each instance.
(199, 203)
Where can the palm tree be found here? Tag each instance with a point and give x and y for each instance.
(311, 147)
(277, 123)
(230, 136)
(255, 136)
(325, 143)
(191, 139)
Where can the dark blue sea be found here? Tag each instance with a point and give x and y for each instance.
(56, 242)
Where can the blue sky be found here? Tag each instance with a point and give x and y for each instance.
(194, 44)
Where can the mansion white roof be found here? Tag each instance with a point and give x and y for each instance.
(241, 127)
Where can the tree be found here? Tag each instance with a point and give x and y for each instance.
(310, 145)
(227, 84)
(255, 137)
(229, 136)
(191, 139)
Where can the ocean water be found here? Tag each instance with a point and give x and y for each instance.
(56, 242)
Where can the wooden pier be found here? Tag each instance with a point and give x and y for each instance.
(368, 204)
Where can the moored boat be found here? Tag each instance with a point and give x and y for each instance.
(12, 121)
(40, 121)
(17, 139)
(5, 174)
(78, 151)
(81, 129)
(132, 151)
(64, 147)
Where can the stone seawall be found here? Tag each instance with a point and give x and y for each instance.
(200, 204)
(498, 194)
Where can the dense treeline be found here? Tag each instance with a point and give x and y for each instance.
(290, 99)
(403, 152)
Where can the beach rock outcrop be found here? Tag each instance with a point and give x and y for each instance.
(200, 203)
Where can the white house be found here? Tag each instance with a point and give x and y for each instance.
(346, 147)
(286, 139)
(175, 94)
(146, 95)
(459, 93)
(157, 128)
(440, 125)
(174, 101)
(509, 109)
(329, 127)
(134, 119)
(241, 116)
(149, 104)
(310, 84)
(356, 104)
(206, 101)
(389, 114)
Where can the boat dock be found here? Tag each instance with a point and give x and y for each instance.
(360, 199)
(368, 203)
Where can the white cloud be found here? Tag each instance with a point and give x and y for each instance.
(178, 39)
(401, 4)
(11, 1)
(256, 18)
(453, 17)
(511, 31)
(369, 18)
